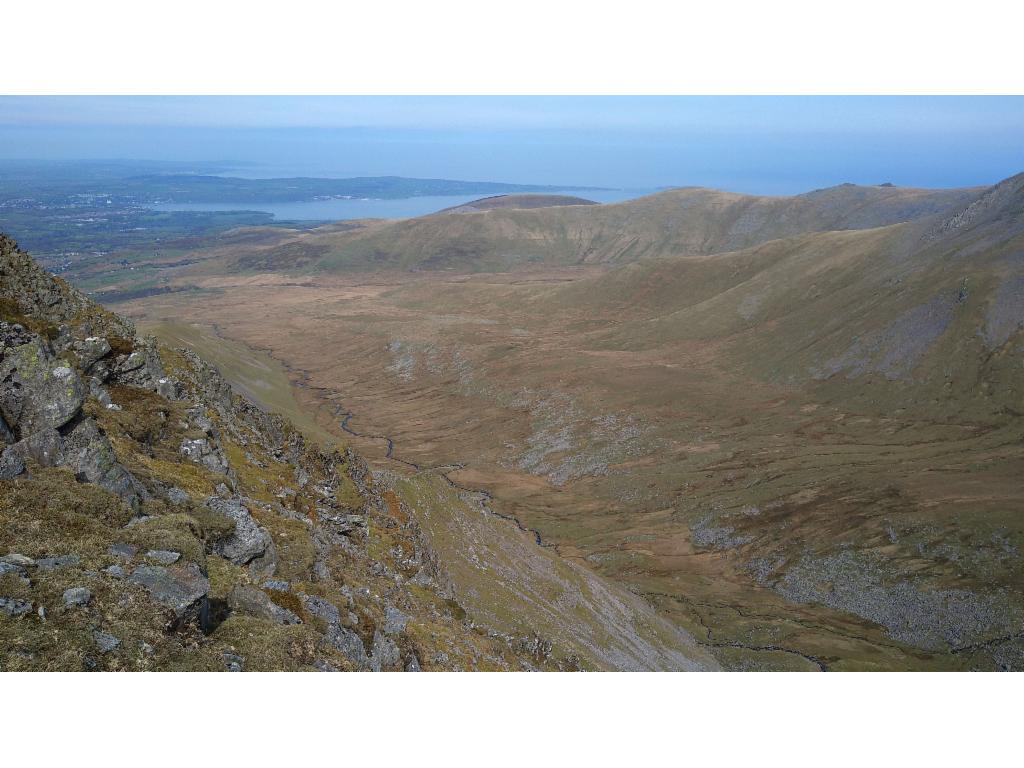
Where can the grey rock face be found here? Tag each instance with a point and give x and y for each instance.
(77, 597)
(178, 496)
(233, 662)
(89, 454)
(114, 571)
(14, 608)
(249, 541)
(37, 391)
(11, 464)
(256, 602)
(394, 621)
(142, 368)
(90, 350)
(201, 452)
(6, 436)
(183, 589)
(385, 655)
(413, 665)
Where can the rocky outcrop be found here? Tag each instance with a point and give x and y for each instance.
(154, 519)
(41, 401)
(249, 544)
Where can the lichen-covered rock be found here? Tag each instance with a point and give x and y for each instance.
(37, 391)
(181, 588)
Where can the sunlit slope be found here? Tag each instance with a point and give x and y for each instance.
(685, 221)
(676, 222)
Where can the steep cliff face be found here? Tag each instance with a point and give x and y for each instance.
(151, 518)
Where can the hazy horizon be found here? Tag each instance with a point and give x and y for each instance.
(767, 145)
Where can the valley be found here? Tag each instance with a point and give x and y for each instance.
(802, 446)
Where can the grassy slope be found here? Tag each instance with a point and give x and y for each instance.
(506, 581)
(254, 375)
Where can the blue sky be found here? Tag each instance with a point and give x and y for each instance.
(761, 144)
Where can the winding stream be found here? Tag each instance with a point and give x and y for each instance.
(443, 471)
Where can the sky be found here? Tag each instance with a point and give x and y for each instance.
(766, 145)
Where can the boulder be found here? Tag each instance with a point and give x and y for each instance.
(104, 641)
(256, 602)
(14, 608)
(181, 588)
(88, 452)
(45, 447)
(37, 391)
(77, 597)
(88, 351)
(249, 541)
